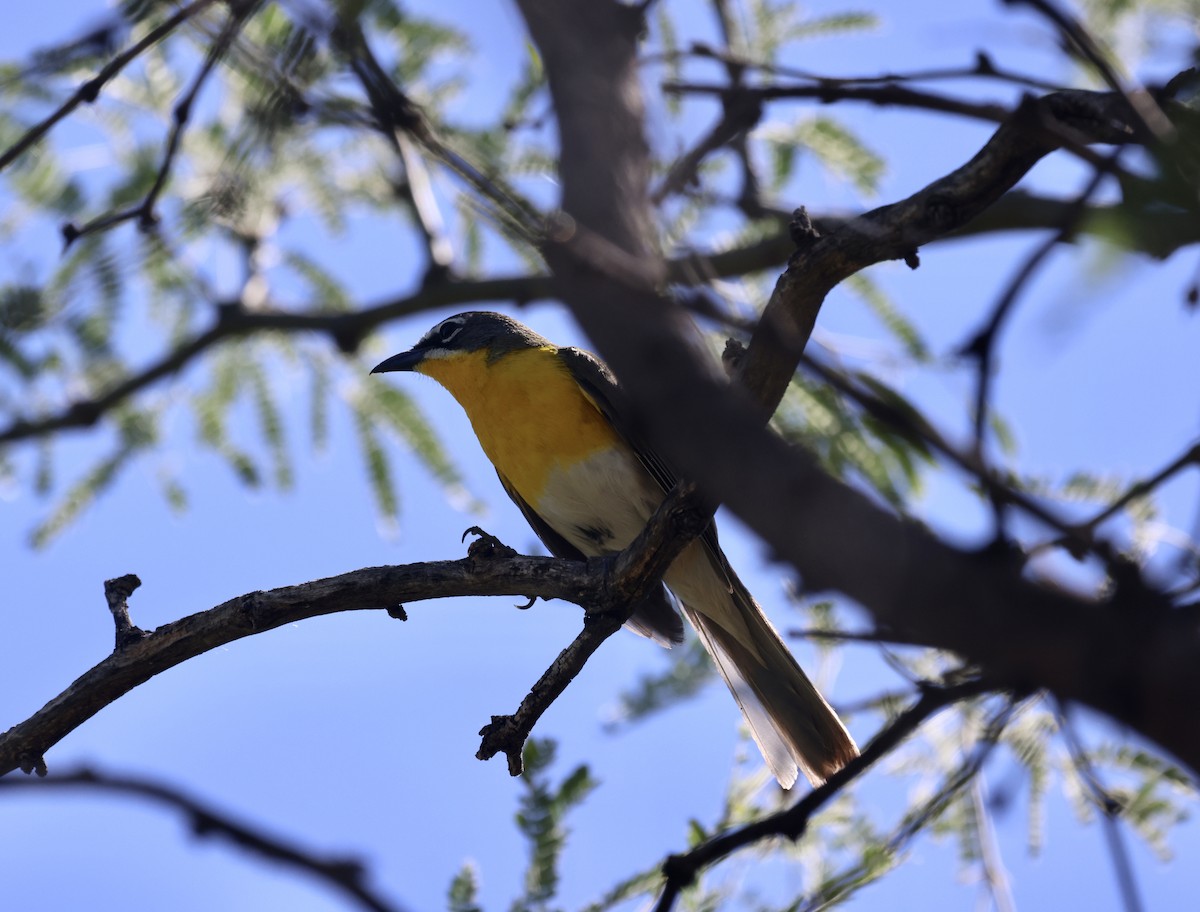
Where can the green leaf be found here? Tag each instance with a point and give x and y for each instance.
(175, 495)
(643, 883)
(379, 472)
(23, 308)
(832, 24)
(673, 68)
(541, 820)
(396, 410)
(689, 671)
(464, 890)
(81, 495)
(318, 410)
(903, 329)
(839, 149)
(270, 424)
(325, 293)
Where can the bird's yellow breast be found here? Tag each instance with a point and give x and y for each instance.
(529, 414)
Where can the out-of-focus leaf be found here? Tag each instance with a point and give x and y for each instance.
(379, 472)
(464, 890)
(318, 403)
(838, 148)
(689, 671)
(903, 329)
(326, 294)
(541, 820)
(396, 410)
(833, 23)
(643, 883)
(270, 424)
(80, 496)
(175, 495)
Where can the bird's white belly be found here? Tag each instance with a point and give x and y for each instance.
(600, 503)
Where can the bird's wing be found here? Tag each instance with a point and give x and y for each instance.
(601, 387)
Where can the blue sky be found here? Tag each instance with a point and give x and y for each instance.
(356, 734)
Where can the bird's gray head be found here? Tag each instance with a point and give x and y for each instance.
(464, 333)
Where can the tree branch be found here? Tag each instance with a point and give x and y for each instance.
(983, 68)
(608, 588)
(827, 92)
(631, 575)
(983, 344)
(1150, 120)
(680, 870)
(346, 875)
(24, 745)
(89, 91)
(144, 211)
(1127, 655)
(234, 321)
(1158, 233)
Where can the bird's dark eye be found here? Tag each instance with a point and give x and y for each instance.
(447, 330)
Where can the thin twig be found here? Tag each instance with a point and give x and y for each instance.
(235, 321)
(626, 580)
(846, 636)
(346, 875)
(995, 875)
(885, 95)
(983, 343)
(1110, 811)
(1189, 457)
(984, 68)
(1152, 123)
(680, 870)
(889, 95)
(144, 211)
(405, 126)
(90, 90)
(394, 110)
(918, 428)
(915, 821)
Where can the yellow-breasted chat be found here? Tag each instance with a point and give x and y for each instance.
(551, 421)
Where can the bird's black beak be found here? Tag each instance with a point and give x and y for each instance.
(405, 361)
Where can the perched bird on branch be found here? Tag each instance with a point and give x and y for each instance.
(552, 422)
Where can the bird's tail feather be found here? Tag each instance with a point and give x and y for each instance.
(791, 723)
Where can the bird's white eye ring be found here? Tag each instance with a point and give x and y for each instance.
(448, 329)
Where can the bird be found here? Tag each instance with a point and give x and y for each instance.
(555, 424)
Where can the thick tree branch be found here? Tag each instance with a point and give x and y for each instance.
(1151, 123)
(896, 231)
(1127, 655)
(346, 875)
